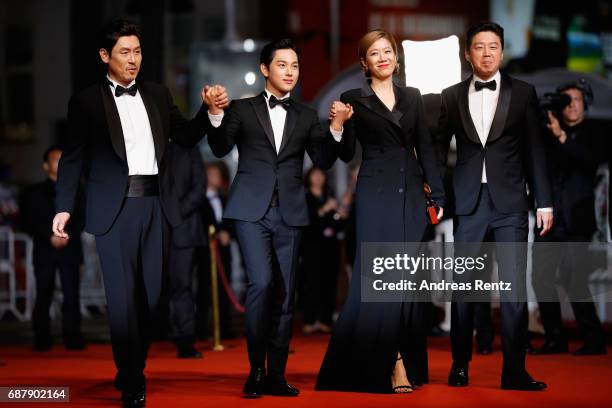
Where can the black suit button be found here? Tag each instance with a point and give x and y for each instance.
(401, 190)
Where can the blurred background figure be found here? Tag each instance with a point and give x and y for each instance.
(212, 210)
(574, 148)
(53, 254)
(187, 238)
(320, 254)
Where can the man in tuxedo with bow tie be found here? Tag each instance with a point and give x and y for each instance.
(267, 203)
(118, 134)
(499, 148)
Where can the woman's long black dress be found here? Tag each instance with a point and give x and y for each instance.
(390, 207)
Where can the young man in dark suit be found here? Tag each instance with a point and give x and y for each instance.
(267, 202)
(495, 122)
(118, 132)
(52, 253)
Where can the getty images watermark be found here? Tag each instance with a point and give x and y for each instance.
(479, 272)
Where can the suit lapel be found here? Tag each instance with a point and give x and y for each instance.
(370, 100)
(503, 106)
(464, 111)
(263, 116)
(154, 121)
(113, 121)
(290, 121)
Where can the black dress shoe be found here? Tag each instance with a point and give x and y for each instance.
(254, 385)
(458, 376)
(133, 399)
(75, 344)
(524, 383)
(42, 346)
(588, 350)
(280, 389)
(551, 347)
(188, 352)
(484, 350)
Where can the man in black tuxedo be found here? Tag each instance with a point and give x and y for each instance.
(51, 253)
(575, 150)
(187, 238)
(268, 204)
(495, 122)
(118, 134)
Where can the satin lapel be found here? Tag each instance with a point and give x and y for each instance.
(464, 111)
(155, 123)
(501, 112)
(261, 110)
(370, 100)
(290, 121)
(113, 121)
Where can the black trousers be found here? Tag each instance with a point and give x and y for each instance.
(270, 249)
(45, 287)
(483, 223)
(132, 254)
(567, 259)
(182, 307)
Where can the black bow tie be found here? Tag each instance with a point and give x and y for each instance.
(285, 103)
(119, 90)
(492, 85)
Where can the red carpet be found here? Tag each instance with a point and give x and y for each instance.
(216, 381)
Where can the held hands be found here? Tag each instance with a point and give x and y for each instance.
(59, 223)
(215, 97)
(544, 221)
(555, 127)
(339, 113)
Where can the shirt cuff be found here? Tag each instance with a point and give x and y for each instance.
(215, 120)
(546, 209)
(337, 134)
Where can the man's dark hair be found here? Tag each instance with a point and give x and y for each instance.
(267, 52)
(484, 26)
(50, 149)
(115, 29)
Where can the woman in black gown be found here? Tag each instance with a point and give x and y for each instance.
(381, 347)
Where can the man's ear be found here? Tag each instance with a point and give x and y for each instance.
(104, 55)
(467, 57)
(264, 70)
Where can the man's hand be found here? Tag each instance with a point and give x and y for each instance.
(224, 238)
(59, 223)
(58, 243)
(544, 221)
(555, 128)
(216, 98)
(339, 113)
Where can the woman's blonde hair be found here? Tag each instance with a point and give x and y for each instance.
(370, 38)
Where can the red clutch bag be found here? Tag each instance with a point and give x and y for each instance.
(432, 208)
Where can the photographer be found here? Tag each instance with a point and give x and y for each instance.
(573, 149)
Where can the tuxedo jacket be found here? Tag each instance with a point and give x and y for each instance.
(95, 147)
(514, 151)
(261, 170)
(190, 182)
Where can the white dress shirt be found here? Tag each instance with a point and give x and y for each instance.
(278, 115)
(483, 105)
(137, 134)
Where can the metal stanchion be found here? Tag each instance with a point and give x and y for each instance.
(214, 289)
